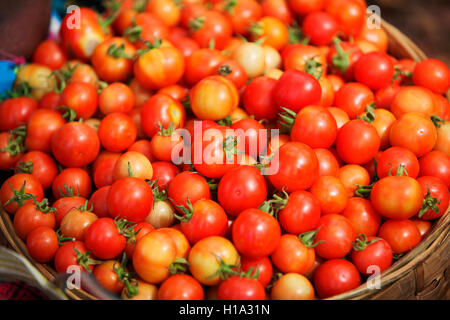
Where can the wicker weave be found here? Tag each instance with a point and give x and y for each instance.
(423, 273)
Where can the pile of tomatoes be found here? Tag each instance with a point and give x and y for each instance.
(89, 130)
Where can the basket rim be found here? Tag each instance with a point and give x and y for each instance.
(406, 264)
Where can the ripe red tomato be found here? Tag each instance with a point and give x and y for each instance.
(181, 287)
(297, 89)
(293, 255)
(81, 97)
(13, 185)
(77, 221)
(98, 202)
(255, 233)
(392, 158)
(432, 74)
(15, 112)
(362, 215)
(117, 132)
(241, 188)
(73, 253)
(436, 164)
(188, 185)
(353, 98)
(63, 205)
(242, 14)
(436, 197)
(328, 164)
(295, 167)
(32, 215)
(116, 97)
(402, 235)
(41, 126)
(75, 144)
(259, 98)
(375, 70)
(201, 64)
(104, 239)
(262, 266)
(304, 7)
(369, 252)
(72, 182)
(331, 193)
(320, 27)
(39, 164)
(338, 235)
(42, 244)
(414, 99)
(50, 54)
(10, 150)
(241, 288)
(349, 14)
(211, 26)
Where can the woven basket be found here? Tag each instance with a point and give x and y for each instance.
(423, 273)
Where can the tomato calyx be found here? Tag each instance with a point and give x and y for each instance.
(187, 212)
(230, 5)
(226, 122)
(230, 147)
(399, 73)
(179, 265)
(118, 52)
(307, 238)
(341, 60)
(133, 33)
(68, 191)
(428, 203)
(397, 256)
(437, 121)
(62, 239)
(224, 70)
(275, 277)
(196, 23)
(19, 196)
(22, 89)
(368, 115)
(15, 145)
(401, 170)
(43, 205)
(312, 67)
(24, 167)
(363, 191)
(274, 205)
(126, 229)
(287, 120)
(256, 28)
(104, 23)
(126, 277)
(225, 270)
(85, 208)
(158, 195)
(166, 132)
(70, 115)
(84, 259)
(362, 243)
(149, 46)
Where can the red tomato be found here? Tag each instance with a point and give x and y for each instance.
(436, 164)
(320, 27)
(362, 215)
(75, 144)
(432, 74)
(369, 252)
(328, 164)
(256, 233)
(331, 193)
(336, 276)
(349, 14)
(11, 150)
(72, 182)
(50, 54)
(338, 235)
(81, 97)
(201, 64)
(39, 164)
(163, 173)
(15, 112)
(117, 97)
(393, 157)
(241, 188)
(375, 70)
(296, 167)
(181, 287)
(42, 244)
(353, 98)
(241, 288)
(259, 98)
(77, 221)
(117, 132)
(436, 197)
(40, 128)
(296, 90)
(293, 255)
(357, 142)
(277, 8)
(188, 185)
(142, 229)
(104, 238)
(32, 215)
(342, 58)
(211, 26)
(130, 198)
(304, 7)
(11, 190)
(262, 266)
(98, 202)
(73, 253)
(402, 235)
(414, 99)
(352, 175)
(63, 206)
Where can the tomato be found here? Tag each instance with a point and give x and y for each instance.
(211, 26)
(261, 266)
(154, 253)
(234, 71)
(203, 219)
(259, 99)
(314, 126)
(116, 97)
(103, 173)
(241, 188)
(331, 194)
(278, 9)
(162, 214)
(271, 31)
(370, 252)
(142, 229)
(296, 167)
(391, 158)
(42, 244)
(293, 255)
(444, 107)
(188, 185)
(117, 132)
(73, 253)
(40, 129)
(362, 215)
(135, 164)
(70, 182)
(213, 98)
(436, 164)
(130, 198)
(207, 257)
(64, 205)
(252, 136)
(432, 74)
(402, 235)
(163, 173)
(167, 11)
(81, 41)
(76, 221)
(113, 59)
(342, 58)
(328, 164)
(38, 77)
(303, 58)
(436, 197)
(81, 72)
(32, 215)
(296, 90)
(414, 132)
(50, 100)
(98, 202)
(349, 14)
(357, 142)
(187, 47)
(382, 120)
(252, 57)
(340, 116)
(181, 287)
(338, 233)
(50, 54)
(40, 165)
(11, 190)
(145, 27)
(320, 27)
(351, 176)
(165, 143)
(81, 97)
(255, 233)
(241, 288)
(15, 112)
(414, 99)
(146, 291)
(353, 98)
(424, 226)
(336, 276)
(201, 64)
(242, 14)
(176, 91)
(376, 36)
(375, 70)
(292, 286)
(11, 150)
(161, 109)
(107, 276)
(104, 238)
(384, 96)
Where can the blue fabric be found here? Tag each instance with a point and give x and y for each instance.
(7, 75)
